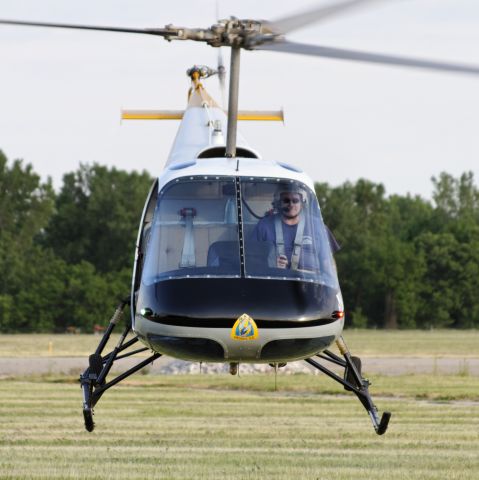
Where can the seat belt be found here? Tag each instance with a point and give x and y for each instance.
(298, 243)
(278, 226)
(298, 240)
(188, 253)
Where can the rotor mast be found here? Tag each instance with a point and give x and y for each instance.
(233, 103)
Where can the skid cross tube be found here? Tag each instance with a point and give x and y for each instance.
(331, 357)
(129, 354)
(123, 347)
(334, 356)
(98, 392)
(330, 374)
(100, 386)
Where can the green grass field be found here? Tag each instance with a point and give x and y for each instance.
(224, 427)
(206, 427)
(377, 343)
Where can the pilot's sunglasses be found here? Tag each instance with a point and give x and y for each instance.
(290, 200)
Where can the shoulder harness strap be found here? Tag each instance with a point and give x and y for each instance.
(298, 242)
(279, 235)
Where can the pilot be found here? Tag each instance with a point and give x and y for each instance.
(288, 230)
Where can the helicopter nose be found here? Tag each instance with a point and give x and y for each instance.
(221, 301)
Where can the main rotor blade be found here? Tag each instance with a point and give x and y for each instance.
(147, 31)
(317, 14)
(356, 56)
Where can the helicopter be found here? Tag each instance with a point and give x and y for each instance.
(218, 275)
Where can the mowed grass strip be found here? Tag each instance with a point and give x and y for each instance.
(413, 343)
(373, 343)
(427, 387)
(182, 428)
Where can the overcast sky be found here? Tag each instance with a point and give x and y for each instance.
(61, 92)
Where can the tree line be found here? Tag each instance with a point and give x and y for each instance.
(66, 257)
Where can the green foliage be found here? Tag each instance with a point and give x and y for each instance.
(358, 319)
(406, 262)
(97, 216)
(65, 259)
(25, 204)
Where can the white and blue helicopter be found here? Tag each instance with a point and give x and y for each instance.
(233, 262)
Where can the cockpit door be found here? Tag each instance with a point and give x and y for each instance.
(142, 242)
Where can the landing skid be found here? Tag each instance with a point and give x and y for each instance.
(93, 380)
(352, 381)
(94, 384)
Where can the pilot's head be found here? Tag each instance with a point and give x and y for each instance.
(291, 200)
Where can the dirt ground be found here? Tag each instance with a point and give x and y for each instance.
(166, 365)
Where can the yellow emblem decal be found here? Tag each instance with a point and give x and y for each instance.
(244, 328)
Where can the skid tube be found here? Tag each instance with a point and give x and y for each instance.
(352, 381)
(93, 380)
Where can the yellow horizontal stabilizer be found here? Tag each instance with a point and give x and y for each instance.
(152, 114)
(261, 115)
(250, 115)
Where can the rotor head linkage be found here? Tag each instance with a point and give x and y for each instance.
(201, 71)
(226, 33)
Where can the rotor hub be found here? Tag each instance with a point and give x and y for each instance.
(242, 33)
(232, 32)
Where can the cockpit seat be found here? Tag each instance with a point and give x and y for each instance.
(260, 256)
(224, 254)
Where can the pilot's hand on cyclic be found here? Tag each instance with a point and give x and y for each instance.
(282, 261)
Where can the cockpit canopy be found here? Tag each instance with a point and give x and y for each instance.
(238, 227)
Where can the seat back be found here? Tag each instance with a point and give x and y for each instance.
(260, 257)
(225, 255)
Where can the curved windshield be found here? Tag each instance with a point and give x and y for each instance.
(194, 231)
(284, 233)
